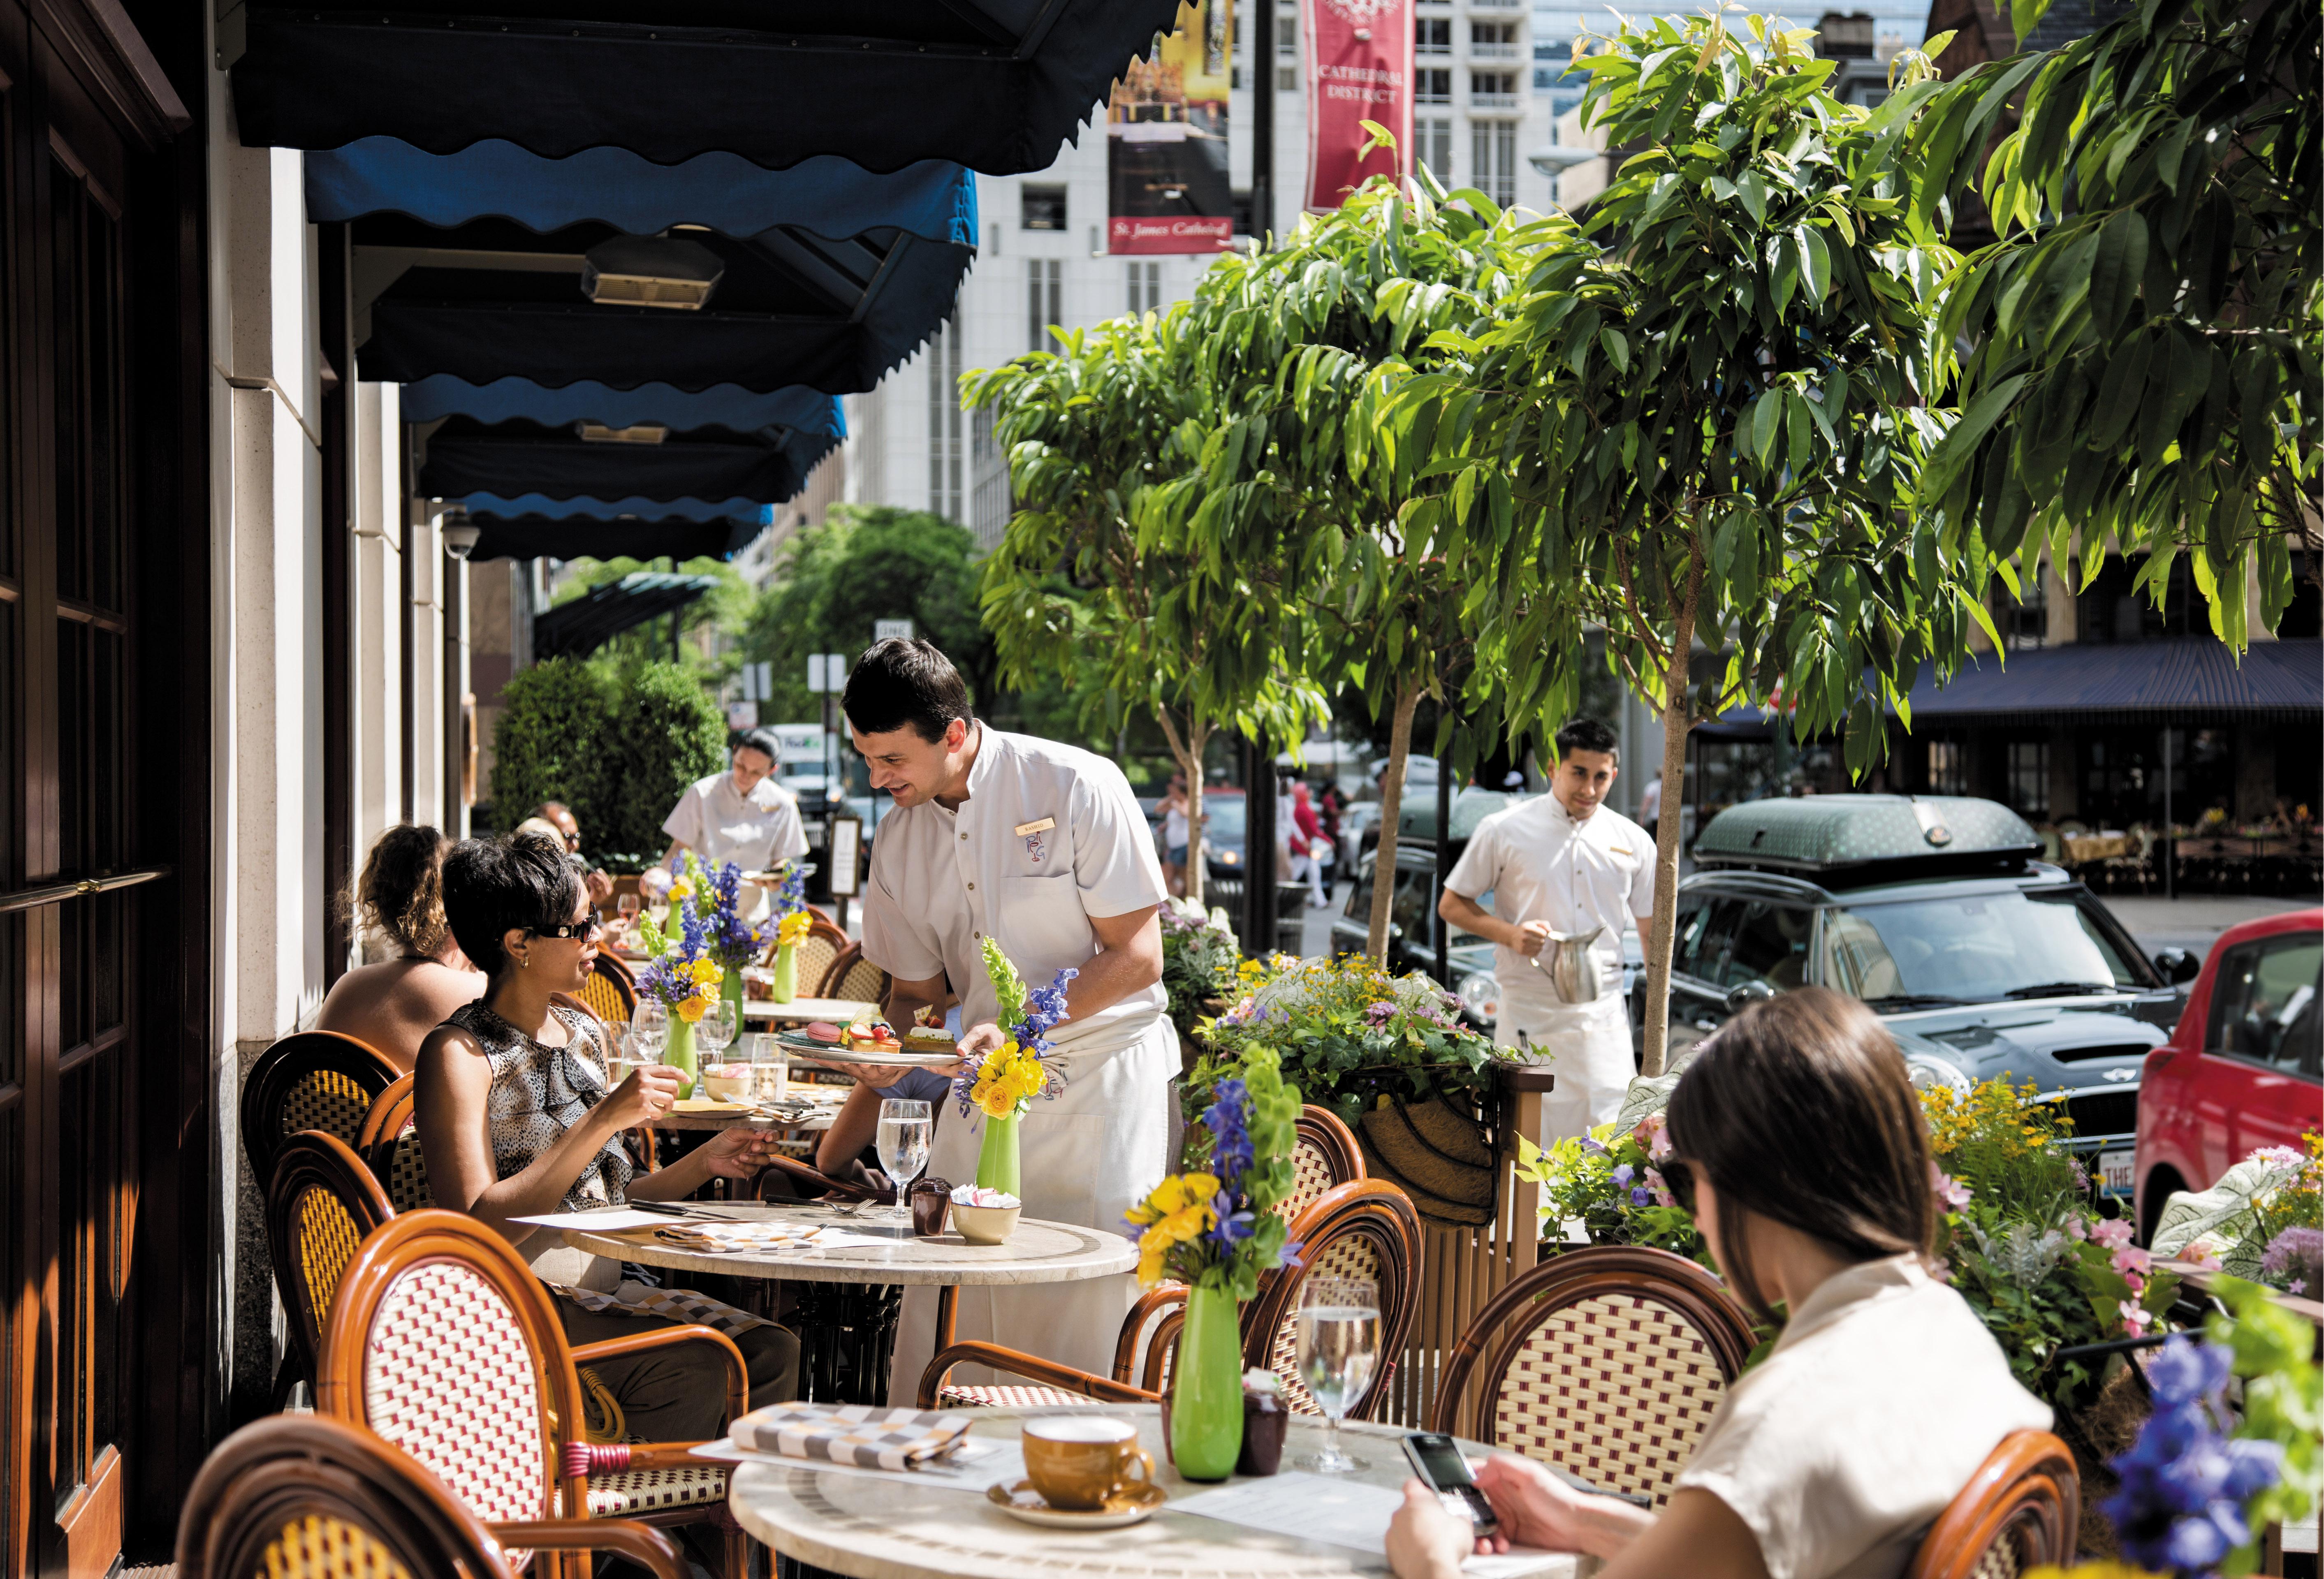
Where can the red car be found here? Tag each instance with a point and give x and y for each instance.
(2242, 1069)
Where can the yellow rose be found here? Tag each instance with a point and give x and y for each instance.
(999, 1104)
(691, 1011)
(1153, 1247)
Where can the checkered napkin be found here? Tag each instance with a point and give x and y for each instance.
(859, 1433)
(743, 1237)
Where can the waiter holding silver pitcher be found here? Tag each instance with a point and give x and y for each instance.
(1566, 874)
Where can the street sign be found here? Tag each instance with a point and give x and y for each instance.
(834, 671)
(742, 715)
(887, 630)
(766, 673)
(815, 672)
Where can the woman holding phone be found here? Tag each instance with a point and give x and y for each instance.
(1799, 1146)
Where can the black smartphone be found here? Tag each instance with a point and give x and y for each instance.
(1436, 1460)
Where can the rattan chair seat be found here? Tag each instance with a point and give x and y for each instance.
(627, 1493)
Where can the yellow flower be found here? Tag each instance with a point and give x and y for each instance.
(1176, 1194)
(691, 1011)
(1153, 1246)
(705, 971)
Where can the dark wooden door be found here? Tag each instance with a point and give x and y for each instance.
(79, 880)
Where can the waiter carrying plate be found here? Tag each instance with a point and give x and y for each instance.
(1043, 847)
(1566, 873)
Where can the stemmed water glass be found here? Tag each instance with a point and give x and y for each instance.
(649, 1031)
(905, 1129)
(627, 906)
(716, 1034)
(1339, 1327)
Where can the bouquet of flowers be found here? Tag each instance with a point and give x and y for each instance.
(2023, 1242)
(734, 942)
(2264, 1220)
(682, 972)
(1199, 955)
(1220, 1229)
(1013, 1074)
(1348, 1032)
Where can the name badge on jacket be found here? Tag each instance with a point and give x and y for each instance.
(1031, 831)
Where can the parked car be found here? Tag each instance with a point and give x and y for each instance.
(1223, 829)
(1983, 961)
(1412, 944)
(2242, 1070)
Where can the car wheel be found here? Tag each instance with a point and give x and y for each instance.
(2157, 1189)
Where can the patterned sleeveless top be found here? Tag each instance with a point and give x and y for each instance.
(539, 1092)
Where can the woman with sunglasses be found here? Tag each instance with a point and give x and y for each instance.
(1799, 1147)
(517, 1116)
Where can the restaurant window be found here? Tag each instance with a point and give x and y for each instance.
(1145, 286)
(945, 422)
(2023, 621)
(2029, 777)
(1493, 154)
(1045, 291)
(1948, 768)
(1043, 207)
(1432, 137)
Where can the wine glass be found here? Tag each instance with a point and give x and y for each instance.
(1339, 1326)
(620, 1059)
(716, 1034)
(648, 1030)
(627, 906)
(905, 1129)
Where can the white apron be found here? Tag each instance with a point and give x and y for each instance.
(1586, 1046)
(1087, 1158)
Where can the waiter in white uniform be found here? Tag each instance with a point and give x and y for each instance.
(1564, 862)
(1044, 848)
(741, 814)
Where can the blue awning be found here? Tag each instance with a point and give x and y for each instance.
(749, 511)
(581, 625)
(467, 456)
(934, 199)
(470, 265)
(727, 405)
(535, 528)
(998, 85)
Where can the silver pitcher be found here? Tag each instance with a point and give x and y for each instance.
(1571, 969)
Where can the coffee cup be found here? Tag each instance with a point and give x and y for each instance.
(1081, 1461)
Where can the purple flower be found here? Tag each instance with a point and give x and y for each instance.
(1624, 1172)
(1594, 1147)
(1228, 1118)
(1380, 1013)
(2183, 1482)
(2296, 1256)
(1642, 1196)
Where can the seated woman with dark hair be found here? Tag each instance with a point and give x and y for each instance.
(517, 1117)
(1798, 1144)
(399, 902)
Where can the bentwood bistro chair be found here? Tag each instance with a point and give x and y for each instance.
(2022, 1509)
(310, 1080)
(1608, 1361)
(1363, 1229)
(442, 1342)
(320, 1205)
(308, 1497)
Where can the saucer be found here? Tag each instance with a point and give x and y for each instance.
(1134, 1502)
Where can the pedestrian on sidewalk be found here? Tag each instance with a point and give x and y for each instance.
(1308, 850)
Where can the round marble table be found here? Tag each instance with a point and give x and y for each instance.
(875, 1528)
(757, 1013)
(1039, 1252)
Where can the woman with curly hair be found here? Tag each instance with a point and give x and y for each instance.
(399, 903)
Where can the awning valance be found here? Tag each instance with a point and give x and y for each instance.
(801, 410)
(535, 528)
(997, 85)
(464, 455)
(584, 624)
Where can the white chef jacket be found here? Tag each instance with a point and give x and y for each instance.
(940, 880)
(1539, 864)
(719, 824)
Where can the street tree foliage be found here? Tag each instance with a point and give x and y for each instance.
(1075, 586)
(1286, 343)
(1712, 430)
(2145, 361)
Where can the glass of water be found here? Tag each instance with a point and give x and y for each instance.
(768, 1070)
(649, 1031)
(905, 1129)
(1339, 1326)
(717, 1034)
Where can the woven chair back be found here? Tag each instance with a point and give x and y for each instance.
(2021, 1510)
(1325, 1158)
(1608, 1361)
(308, 1497)
(444, 1344)
(610, 992)
(401, 1168)
(310, 1080)
(389, 1116)
(823, 944)
(1363, 1229)
(320, 1205)
(853, 977)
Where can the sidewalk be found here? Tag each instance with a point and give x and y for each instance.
(2192, 923)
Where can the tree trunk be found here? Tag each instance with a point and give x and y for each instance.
(1399, 746)
(1677, 709)
(1187, 751)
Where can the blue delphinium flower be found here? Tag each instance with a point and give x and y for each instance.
(1624, 1172)
(1229, 1119)
(2185, 1482)
(1045, 1010)
(1642, 1196)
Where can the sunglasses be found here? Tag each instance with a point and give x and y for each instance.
(595, 923)
(1678, 1178)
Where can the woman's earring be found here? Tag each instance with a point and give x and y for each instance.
(524, 960)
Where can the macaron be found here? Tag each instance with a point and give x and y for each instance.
(823, 1030)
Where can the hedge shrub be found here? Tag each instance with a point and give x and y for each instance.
(666, 733)
(550, 742)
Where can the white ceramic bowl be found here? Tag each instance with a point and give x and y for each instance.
(725, 1087)
(985, 1224)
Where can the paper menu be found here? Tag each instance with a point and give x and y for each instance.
(614, 1221)
(1340, 1511)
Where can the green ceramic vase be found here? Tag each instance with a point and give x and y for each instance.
(1206, 1387)
(997, 1167)
(679, 1053)
(786, 987)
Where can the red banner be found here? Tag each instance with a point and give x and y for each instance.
(1359, 69)
(1165, 141)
